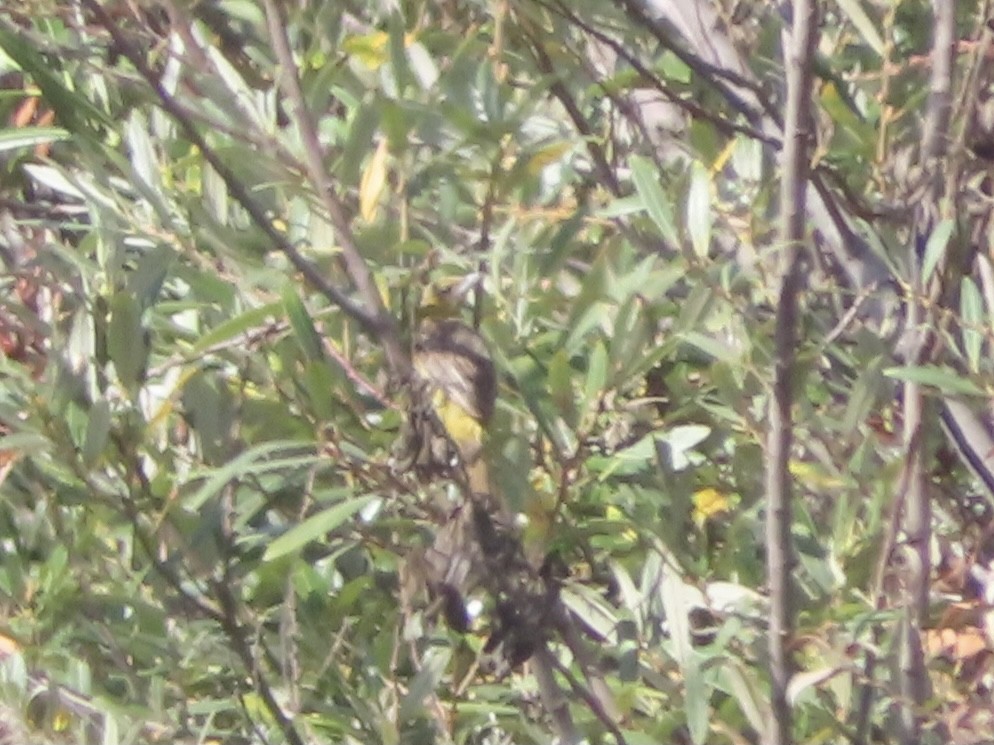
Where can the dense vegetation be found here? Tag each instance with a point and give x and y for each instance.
(214, 265)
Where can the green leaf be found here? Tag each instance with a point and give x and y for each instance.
(321, 381)
(561, 384)
(150, 273)
(596, 376)
(302, 325)
(142, 157)
(943, 378)
(711, 346)
(972, 310)
(590, 605)
(254, 461)
(590, 317)
(74, 110)
(646, 179)
(27, 443)
(699, 218)
(678, 600)
(425, 683)
(622, 207)
(126, 343)
(681, 440)
(13, 139)
(863, 23)
(315, 527)
(228, 330)
(97, 431)
(936, 247)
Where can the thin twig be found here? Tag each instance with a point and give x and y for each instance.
(355, 266)
(799, 45)
(370, 320)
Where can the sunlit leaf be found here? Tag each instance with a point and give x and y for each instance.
(971, 306)
(942, 378)
(935, 248)
(14, 139)
(866, 27)
(699, 210)
(374, 180)
(645, 176)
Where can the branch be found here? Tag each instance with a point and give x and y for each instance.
(918, 515)
(799, 46)
(355, 266)
(375, 322)
(224, 614)
(715, 59)
(243, 648)
(553, 698)
(935, 136)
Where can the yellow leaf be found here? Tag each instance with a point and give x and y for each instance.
(812, 476)
(547, 156)
(708, 503)
(374, 179)
(369, 49)
(723, 157)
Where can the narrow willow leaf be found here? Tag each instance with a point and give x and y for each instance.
(126, 343)
(943, 378)
(863, 23)
(422, 65)
(561, 385)
(596, 376)
(315, 527)
(936, 247)
(252, 318)
(373, 182)
(253, 461)
(425, 683)
(302, 325)
(97, 431)
(12, 139)
(149, 274)
(678, 601)
(645, 176)
(699, 219)
(972, 310)
(73, 109)
(141, 152)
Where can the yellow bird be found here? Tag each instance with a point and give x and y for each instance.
(452, 360)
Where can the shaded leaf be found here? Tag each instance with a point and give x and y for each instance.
(315, 527)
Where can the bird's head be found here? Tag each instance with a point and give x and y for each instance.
(446, 297)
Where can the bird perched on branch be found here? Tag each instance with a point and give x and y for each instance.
(451, 393)
(475, 545)
(457, 378)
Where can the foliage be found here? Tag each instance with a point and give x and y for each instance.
(202, 534)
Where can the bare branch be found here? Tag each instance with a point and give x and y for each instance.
(377, 324)
(799, 46)
(355, 265)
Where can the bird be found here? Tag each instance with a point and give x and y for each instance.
(454, 367)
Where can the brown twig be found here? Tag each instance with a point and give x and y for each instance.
(371, 320)
(384, 327)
